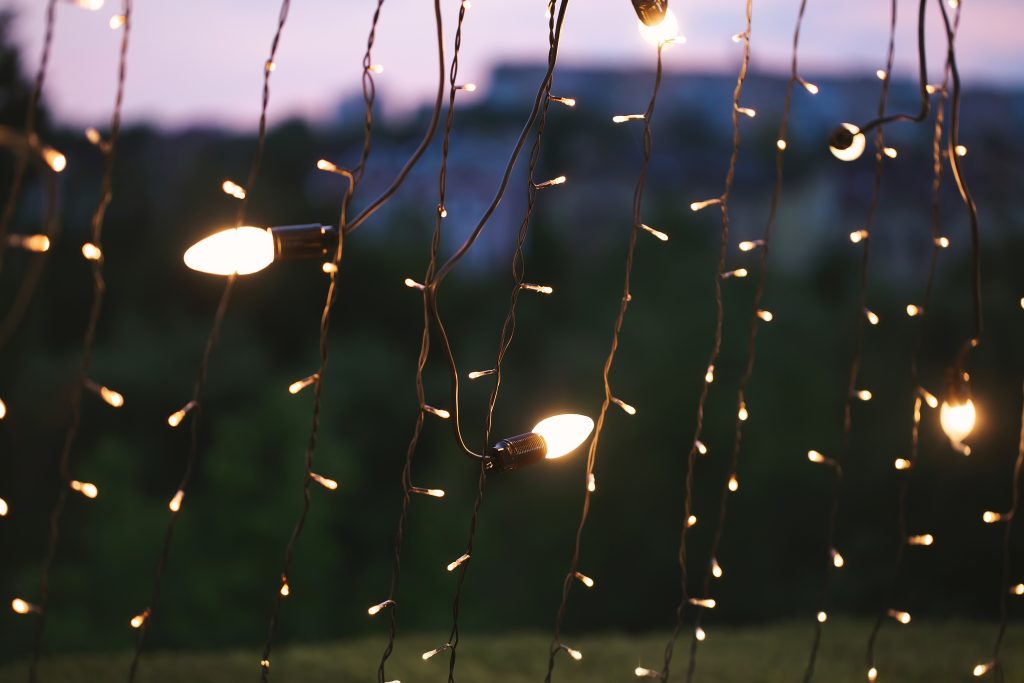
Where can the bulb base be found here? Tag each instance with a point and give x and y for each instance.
(650, 12)
(841, 138)
(298, 242)
(516, 452)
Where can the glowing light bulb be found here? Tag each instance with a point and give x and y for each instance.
(567, 101)
(412, 284)
(22, 607)
(810, 87)
(233, 189)
(902, 464)
(455, 564)
(626, 408)
(175, 503)
(746, 111)
(700, 634)
(3, 409)
(734, 483)
(433, 493)
(990, 517)
(872, 317)
(847, 143)
(961, 150)
(709, 376)
(929, 397)
(822, 617)
(697, 206)
(175, 418)
(881, 74)
(750, 245)
(93, 136)
(111, 397)
(957, 420)
(91, 252)
(270, 66)
(328, 484)
(560, 180)
(563, 433)
(781, 145)
(377, 68)
(913, 310)
(91, 5)
(816, 457)
(858, 236)
(664, 33)
(139, 619)
(706, 603)
(54, 159)
(373, 611)
(838, 561)
(329, 268)
(3, 508)
(890, 152)
(575, 654)
(477, 374)
(591, 482)
(468, 87)
(739, 272)
(296, 387)
(240, 251)
(325, 165)
(641, 672)
(1018, 589)
(942, 242)
(864, 395)
(439, 412)
(902, 617)
(427, 655)
(739, 37)
(285, 588)
(743, 414)
(116, 22)
(657, 233)
(701, 448)
(921, 539)
(623, 118)
(982, 669)
(85, 488)
(584, 579)
(716, 569)
(539, 289)
(872, 674)
(691, 521)
(34, 243)
(766, 316)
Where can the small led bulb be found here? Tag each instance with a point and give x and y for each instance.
(902, 464)
(872, 674)
(477, 374)
(900, 616)
(706, 603)
(982, 669)
(373, 611)
(890, 152)
(766, 316)
(641, 672)
(743, 414)
(838, 561)
(700, 634)
(91, 252)
(54, 159)
(328, 484)
(439, 412)
(175, 503)
(913, 310)
(626, 408)
(623, 118)
(575, 654)
(433, 493)
(297, 386)
(750, 245)
(657, 233)
(697, 206)
(781, 145)
(22, 607)
(4, 509)
(85, 488)
(822, 617)
(734, 483)
(691, 521)
(427, 655)
(139, 619)
(922, 540)
(584, 579)
(871, 316)
(716, 569)
(175, 418)
(452, 566)
(991, 517)
(591, 482)
(233, 189)
(701, 447)
(709, 376)
(864, 395)
(858, 236)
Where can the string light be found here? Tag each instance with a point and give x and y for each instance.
(838, 561)
(864, 395)
(743, 414)
(750, 245)
(734, 483)
(85, 488)
(890, 152)
(539, 289)
(657, 233)
(439, 412)
(700, 634)
(329, 268)
(437, 650)
(175, 418)
(716, 569)
(433, 493)
(663, 33)
(575, 654)
(233, 189)
(738, 273)
(847, 143)
(109, 396)
(560, 180)
(584, 579)
(857, 235)
(567, 101)
(913, 310)
(375, 609)
(641, 672)
(991, 517)
(299, 385)
(698, 206)
(626, 408)
(477, 374)
(468, 87)
(91, 252)
(623, 118)
(54, 159)
(3, 409)
(412, 284)
(33, 243)
(591, 483)
(921, 539)
(747, 111)
(871, 316)
(882, 74)
(902, 617)
(873, 674)
(709, 376)
(116, 22)
(328, 484)
(822, 617)
(701, 448)
(22, 607)
(175, 504)
(4, 509)
(982, 669)
(766, 316)
(691, 521)
(902, 464)
(139, 619)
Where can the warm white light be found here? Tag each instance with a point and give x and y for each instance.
(372, 611)
(990, 517)
(139, 619)
(626, 408)
(92, 5)
(872, 674)
(858, 235)
(297, 386)
(856, 147)
(328, 484)
(329, 268)
(21, 607)
(929, 398)
(734, 483)
(3, 409)
(241, 251)
(622, 118)
(270, 66)
(584, 579)
(641, 672)
(657, 233)
(743, 413)
(591, 482)
(91, 252)
(766, 316)
(540, 289)
(750, 245)
(902, 617)
(477, 374)
(810, 87)
(111, 397)
(838, 561)
(739, 272)
(116, 22)
(1018, 589)
(439, 412)
(816, 457)
(85, 488)
(700, 634)
(872, 317)
(747, 111)
(175, 503)
(376, 68)
(691, 521)
(781, 145)
(175, 418)
(890, 152)
(697, 206)
(913, 310)
(716, 569)
(412, 284)
(427, 655)
(982, 669)
(707, 603)
(93, 136)
(452, 566)
(563, 433)
(957, 420)
(709, 376)
(560, 180)
(54, 159)
(664, 33)
(468, 87)
(902, 464)
(575, 654)
(864, 395)
(701, 448)
(822, 617)
(3, 508)
(286, 590)
(325, 165)
(881, 74)
(942, 242)
(567, 101)
(433, 493)
(961, 150)
(234, 189)
(921, 539)
(33, 243)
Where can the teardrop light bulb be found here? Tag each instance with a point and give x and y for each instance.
(564, 433)
(957, 419)
(665, 32)
(243, 250)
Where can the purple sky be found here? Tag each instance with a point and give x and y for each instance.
(199, 61)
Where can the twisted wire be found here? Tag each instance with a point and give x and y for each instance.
(88, 344)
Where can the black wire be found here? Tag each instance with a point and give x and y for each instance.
(14, 191)
(211, 343)
(638, 194)
(88, 346)
(753, 326)
(713, 358)
(855, 361)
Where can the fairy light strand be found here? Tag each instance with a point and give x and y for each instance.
(906, 466)
(88, 347)
(764, 243)
(211, 342)
(638, 194)
(855, 361)
(732, 483)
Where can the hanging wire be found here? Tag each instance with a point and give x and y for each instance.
(907, 474)
(858, 350)
(755, 323)
(723, 203)
(211, 342)
(88, 343)
(638, 194)
(14, 191)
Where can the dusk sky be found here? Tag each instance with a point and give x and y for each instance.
(199, 61)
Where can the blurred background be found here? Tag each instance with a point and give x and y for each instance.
(192, 102)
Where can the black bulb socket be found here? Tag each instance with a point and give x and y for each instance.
(650, 12)
(841, 138)
(516, 452)
(298, 242)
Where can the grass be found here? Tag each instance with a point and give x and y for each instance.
(932, 652)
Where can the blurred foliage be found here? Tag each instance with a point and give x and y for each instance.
(226, 557)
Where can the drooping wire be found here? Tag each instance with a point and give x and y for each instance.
(855, 362)
(753, 325)
(14, 191)
(638, 195)
(917, 397)
(723, 203)
(88, 342)
(211, 342)
(508, 327)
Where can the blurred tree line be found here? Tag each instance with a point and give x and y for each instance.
(226, 557)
